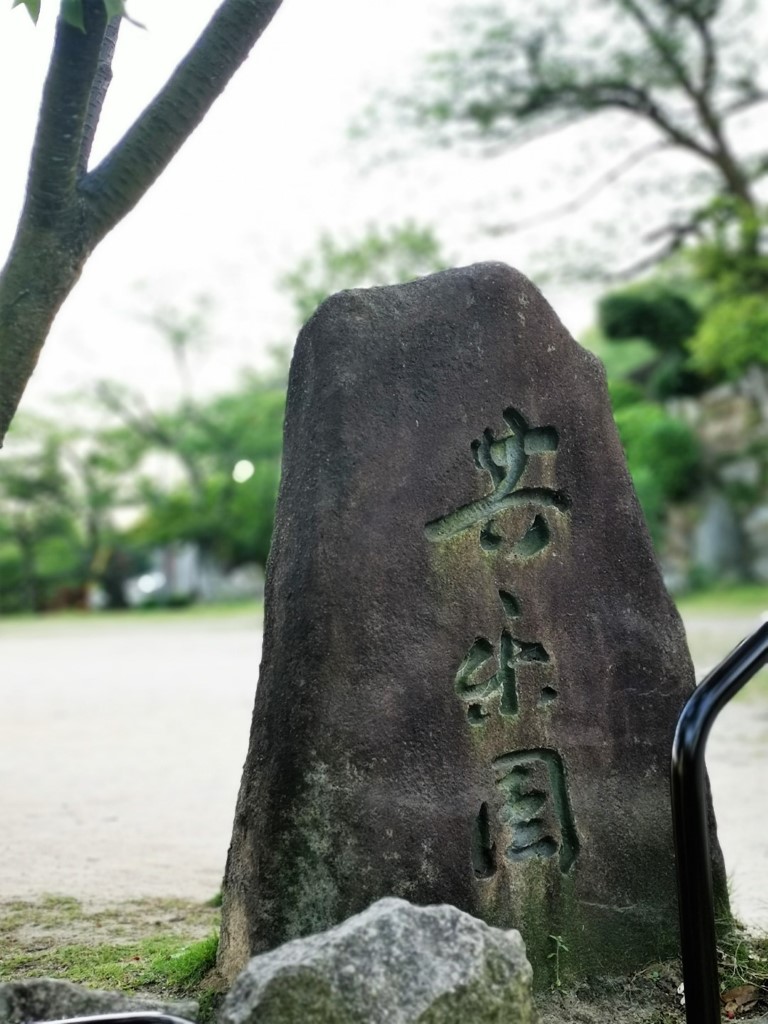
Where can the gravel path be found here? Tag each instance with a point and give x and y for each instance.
(121, 745)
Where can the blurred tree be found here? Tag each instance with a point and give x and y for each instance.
(681, 71)
(732, 337)
(663, 455)
(58, 497)
(379, 256)
(69, 207)
(226, 504)
(34, 515)
(665, 317)
(192, 495)
(650, 310)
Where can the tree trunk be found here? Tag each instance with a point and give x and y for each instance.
(68, 208)
(40, 273)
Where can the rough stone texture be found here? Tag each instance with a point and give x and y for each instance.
(471, 669)
(392, 964)
(45, 999)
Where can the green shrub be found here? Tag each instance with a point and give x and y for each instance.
(732, 336)
(651, 501)
(624, 393)
(673, 376)
(661, 446)
(655, 312)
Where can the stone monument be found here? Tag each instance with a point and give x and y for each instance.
(471, 669)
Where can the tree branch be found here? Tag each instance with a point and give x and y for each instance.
(121, 179)
(66, 213)
(101, 82)
(58, 141)
(708, 52)
(662, 44)
(639, 100)
(576, 202)
(674, 236)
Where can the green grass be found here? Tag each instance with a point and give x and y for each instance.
(742, 959)
(167, 965)
(749, 599)
(222, 609)
(55, 937)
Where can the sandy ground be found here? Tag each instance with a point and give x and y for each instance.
(122, 741)
(121, 746)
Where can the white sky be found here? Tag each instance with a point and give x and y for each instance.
(249, 193)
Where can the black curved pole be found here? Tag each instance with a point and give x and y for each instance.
(690, 824)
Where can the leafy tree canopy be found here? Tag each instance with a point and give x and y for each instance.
(732, 337)
(682, 71)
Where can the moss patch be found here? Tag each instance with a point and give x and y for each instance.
(166, 948)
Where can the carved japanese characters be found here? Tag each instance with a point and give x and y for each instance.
(471, 669)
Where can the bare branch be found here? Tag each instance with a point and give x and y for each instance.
(673, 235)
(576, 202)
(754, 99)
(662, 44)
(708, 51)
(121, 179)
(639, 100)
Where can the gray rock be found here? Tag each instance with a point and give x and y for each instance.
(718, 545)
(471, 669)
(39, 999)
(756, 532)
(745, 471)
(392, 964)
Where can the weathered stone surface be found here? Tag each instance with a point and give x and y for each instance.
(40, 999)
(392, 964)
(471, 669)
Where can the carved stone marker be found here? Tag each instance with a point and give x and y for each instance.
(471, 668)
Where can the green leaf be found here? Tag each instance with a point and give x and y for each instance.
(72, 13)
(114, 8)
(33, 6)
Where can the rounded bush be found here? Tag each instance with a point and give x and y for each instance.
(652, 311)
(624, 393)
(732, 336)
(661, 446)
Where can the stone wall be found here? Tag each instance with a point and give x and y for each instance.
(723, 533)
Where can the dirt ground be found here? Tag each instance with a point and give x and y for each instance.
(122, 741)
(121, 746)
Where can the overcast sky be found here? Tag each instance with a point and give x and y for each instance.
(270, 168)
(248, 195)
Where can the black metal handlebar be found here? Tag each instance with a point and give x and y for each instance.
(690, 824)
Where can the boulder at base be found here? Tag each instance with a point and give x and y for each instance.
(40, 999)
(392, 964)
